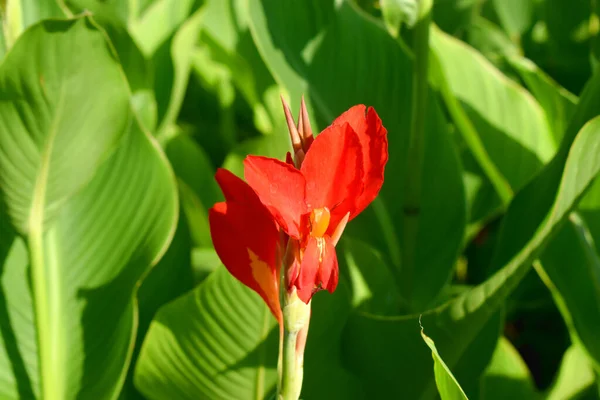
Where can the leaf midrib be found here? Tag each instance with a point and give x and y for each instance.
(48, 339)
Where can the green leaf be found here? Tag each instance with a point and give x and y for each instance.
(518, 146)
(373, 285)
(173, 62)
(447, 385)
(169, 279)
(395, 12)
(113, 19)
(491, 41)
(197, 186)
(574, 377)
(458, 322)
(117, 11)
(18, 15)
(453, 15)
(319, 61)
(227, 57)
(159, 21)
(95, 203)
(571, 269)
(325, 374)
(515, 15)
(507, 376)
(557, 102)
(216, 342)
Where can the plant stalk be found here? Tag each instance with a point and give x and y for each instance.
(296, 318)
(416, 148)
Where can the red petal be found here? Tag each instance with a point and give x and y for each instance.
(373, 140)
(319, 268)
(333, 170)
(235, 189)
(280, 187)
(246, 239)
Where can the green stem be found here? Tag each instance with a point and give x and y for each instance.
(296, 317)
(416, 148)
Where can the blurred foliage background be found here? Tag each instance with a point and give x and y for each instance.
(125, 112)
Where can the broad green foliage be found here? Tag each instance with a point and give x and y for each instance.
(225, 345)
(93, 204)
(116, 114)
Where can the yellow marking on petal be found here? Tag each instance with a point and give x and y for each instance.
(337, 233)
(262, 274)
(319, 221)
(321, 247)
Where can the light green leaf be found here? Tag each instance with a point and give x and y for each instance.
(574, 377)
(158, 22)
(558, 103)
(112, 17)
(518, 146)
(515, 15)
(447, 385)
(37, 180)
(507, 376)
(491, 41)
(395, 12)
(216, 342)
(95, 203)
(18, 15)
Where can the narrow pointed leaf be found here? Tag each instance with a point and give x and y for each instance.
(447, 385)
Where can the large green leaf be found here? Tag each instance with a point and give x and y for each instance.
(112, 17)
(319, 60)
(95, 206)
(385, 340)
(169, 279)
(220, 342)
(211, 343)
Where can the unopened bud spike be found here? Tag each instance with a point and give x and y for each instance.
(294, 135)
(306, 132)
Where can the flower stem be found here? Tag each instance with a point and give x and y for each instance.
(416, 149)
(296, 318)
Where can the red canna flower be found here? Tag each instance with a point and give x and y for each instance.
(337, 175)
(299, 207)
(247, 239)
